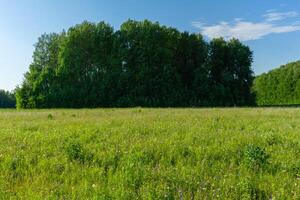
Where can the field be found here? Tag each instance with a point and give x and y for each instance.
(150, 154)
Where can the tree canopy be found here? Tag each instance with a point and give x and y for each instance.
(7, 99)
(142, 64)
(280, 86)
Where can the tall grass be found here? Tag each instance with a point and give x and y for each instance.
(150, 154)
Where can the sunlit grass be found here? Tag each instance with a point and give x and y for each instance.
(150, 154)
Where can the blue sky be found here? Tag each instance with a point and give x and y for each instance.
(270, 27)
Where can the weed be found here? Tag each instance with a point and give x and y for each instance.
(50, 116)
(255, 157)
(248, 190)
(76, 152)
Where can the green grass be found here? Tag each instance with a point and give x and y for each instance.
(150, 154)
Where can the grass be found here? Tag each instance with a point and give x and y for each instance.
(150, 154)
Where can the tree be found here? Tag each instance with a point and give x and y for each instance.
(7, 99)
(38, 89)
(142, 64)
(230, 73)
(241, 75)
(280, 86)
(85, 63)
(190, 58)
(149, 75)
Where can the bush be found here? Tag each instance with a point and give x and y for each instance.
(76, 152)
(255, 157)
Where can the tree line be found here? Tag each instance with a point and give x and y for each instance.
(141, 64)
(7, 99)
(280, 86)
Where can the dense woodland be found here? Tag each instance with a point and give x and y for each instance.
(142, 64)
(279, 87)
(7, 99)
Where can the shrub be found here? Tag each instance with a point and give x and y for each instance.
(50, 116)
(76, 152)
(255, 157)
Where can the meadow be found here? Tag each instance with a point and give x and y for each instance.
(237, 153)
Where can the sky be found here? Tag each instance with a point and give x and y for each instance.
(271, 28)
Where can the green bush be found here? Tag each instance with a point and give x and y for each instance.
(76, 152)
(255, 157)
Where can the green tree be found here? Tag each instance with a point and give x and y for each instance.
(230, 73)
(7, 99)
(240, 75)
(142, 64)
(279, 86)
(38, 88)
(149, 74)
(84, 64)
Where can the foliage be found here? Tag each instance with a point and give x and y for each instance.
(7, 99)
(142, 64)
(230, 73)
(279, 87)
(255, 157)
(248, 190)
(150, 154)
(75, 152)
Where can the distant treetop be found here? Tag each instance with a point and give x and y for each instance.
(7, 99)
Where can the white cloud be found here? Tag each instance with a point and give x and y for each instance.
(275, 16)
(247, 30)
